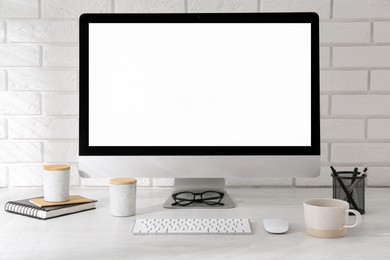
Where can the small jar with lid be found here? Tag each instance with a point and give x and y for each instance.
(56, 182)
(123, 197)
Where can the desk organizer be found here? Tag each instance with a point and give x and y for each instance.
(350, 186)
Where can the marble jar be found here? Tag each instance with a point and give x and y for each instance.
(123, 197)
(56, 182)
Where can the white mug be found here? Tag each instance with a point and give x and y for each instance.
(328, 218)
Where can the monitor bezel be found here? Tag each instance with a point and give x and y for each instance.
(86, 150)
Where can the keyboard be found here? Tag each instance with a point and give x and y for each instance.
(190, 226)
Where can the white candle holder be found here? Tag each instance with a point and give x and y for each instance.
(123, 197)
(56, 182)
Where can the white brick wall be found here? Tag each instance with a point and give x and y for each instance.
(380, 80)
(43, 128)
(378, 128)
(360, 152)
(19, 9)
(61, 151)
(149, 6)
(324, 105)
(322, 7)
(2, 32)
(343, 80)
(334, 129)
(20, 103)
(60, 104)
(73, 8)
(42, 31)
(361, 56)
(361, 105)
(20, 55)
(3, 128)
(382, 32)
(39, 83)
(3, 80)
(3, 176)
(196, 6)
(20, 151)
(42, 80)
(366, 9)
(60, 56)
(345, 32)
(324, 57)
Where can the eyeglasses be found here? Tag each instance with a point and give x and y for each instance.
(186, 198)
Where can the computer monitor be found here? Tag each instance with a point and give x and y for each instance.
(199, 95)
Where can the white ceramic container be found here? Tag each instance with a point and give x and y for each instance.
(123, 197)
(56, 182)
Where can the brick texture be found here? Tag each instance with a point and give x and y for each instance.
(20, 151)
(3, 128)
(61, 104)
(345, 32)
(39, 83)
(322, 7)
(20, 55)
(382, 32)
(360, 105)
(3, 176)
(379, 128)
(3, 80)
(324, 105)
(361, 56)
(42, 31)
(61, 151)
(378, 176)
(380, 80)
(324, 152)
(149, 6)
(20, 103)
(73, 8)
(210, 6)
(361, 9)
(43, 128)
(2, 32)
(343, 80)
(324, 57)
(25, 175)
(360, 152)
(67, 56)
(19, 9)
(42, 80)
(333, 129)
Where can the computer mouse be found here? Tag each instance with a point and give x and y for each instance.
(275, 226)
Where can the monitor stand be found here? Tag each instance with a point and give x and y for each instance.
(200, 185)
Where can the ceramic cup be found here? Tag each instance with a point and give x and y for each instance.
(123, 197)
(328, 218)
(56, 182)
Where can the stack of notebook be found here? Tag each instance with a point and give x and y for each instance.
(41, 209)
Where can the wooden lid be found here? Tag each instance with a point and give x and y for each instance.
(56, 167)
(123, 181)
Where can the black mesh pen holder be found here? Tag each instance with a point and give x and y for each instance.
(350, 186)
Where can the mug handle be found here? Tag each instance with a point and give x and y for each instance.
(357, 215)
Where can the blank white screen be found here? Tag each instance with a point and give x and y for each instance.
(215, 84)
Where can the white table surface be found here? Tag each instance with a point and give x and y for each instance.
(97, 235)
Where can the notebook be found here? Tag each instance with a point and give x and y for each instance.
(26, 208)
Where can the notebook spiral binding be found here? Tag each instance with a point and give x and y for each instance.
(24, 210)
